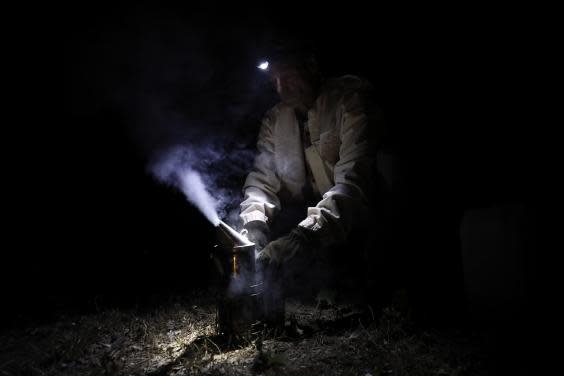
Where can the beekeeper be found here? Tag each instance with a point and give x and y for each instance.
(316, 150)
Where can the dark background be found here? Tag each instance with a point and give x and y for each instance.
(105, 87)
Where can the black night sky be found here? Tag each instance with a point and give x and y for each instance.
(112, 86)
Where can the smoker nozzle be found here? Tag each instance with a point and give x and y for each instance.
(229, 238)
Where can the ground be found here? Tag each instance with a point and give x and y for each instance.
(178, 338)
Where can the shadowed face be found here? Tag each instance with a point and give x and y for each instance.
(294, 87)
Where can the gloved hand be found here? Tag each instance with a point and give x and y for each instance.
(259, 233)
(299, 241)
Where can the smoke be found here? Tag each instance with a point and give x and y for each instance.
(175, 168)
(210, 175)
(193, 187)
(191, 98)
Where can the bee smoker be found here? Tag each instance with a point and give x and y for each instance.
(240, 306)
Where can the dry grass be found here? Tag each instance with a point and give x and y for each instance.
(177, 339)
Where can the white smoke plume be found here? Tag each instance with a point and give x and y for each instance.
(193, 187)
(175, 168)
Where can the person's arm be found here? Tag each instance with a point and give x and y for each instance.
(346, 204)
(261, 202)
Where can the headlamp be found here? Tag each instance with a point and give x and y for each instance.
(263, 66)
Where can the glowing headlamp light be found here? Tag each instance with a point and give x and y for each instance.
(263, 66)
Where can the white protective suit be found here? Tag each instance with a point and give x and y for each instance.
(344, 132)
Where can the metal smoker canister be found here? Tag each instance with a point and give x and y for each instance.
(240, 304)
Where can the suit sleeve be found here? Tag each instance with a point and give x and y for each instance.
(262, 185)
(347, 203)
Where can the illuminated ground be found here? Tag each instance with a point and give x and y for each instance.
(177, 339)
